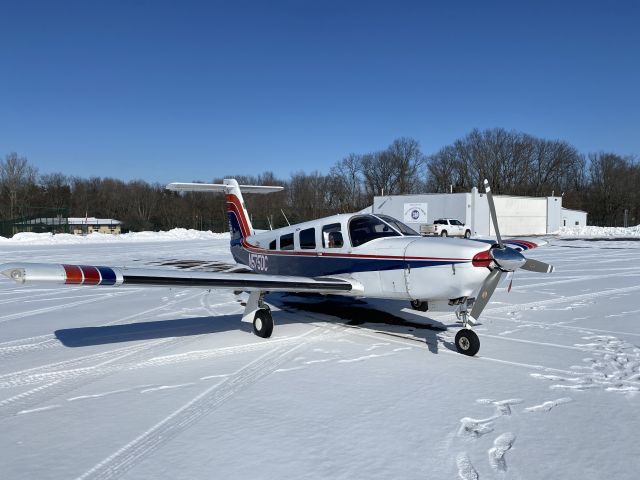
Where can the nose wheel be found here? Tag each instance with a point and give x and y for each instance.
(467, 342)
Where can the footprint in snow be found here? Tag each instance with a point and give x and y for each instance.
(465, 468)
(477, 427)
(547, 406)
(501, 445)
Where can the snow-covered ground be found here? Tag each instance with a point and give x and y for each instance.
(168, 383)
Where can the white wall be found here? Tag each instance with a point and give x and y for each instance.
(454, 205)
(520, 215)
(517, 215)
(571, 218)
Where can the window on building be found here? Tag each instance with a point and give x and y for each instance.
(365, 228)
(286, 242)
(332, 236)
(308, 239)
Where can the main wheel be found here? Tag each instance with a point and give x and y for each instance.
(420, 305)
(263, 323)
(444, 233)
(467, 234)
(467, 342)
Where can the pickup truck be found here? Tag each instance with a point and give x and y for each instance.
(446, 227)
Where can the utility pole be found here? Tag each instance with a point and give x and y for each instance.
(626, 218)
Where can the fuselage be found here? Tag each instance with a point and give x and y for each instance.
(383, 255)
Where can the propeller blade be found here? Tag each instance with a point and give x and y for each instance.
(492, 210)
(488, 287)
(537, 266)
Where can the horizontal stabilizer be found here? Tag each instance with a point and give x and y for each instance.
(220, 187)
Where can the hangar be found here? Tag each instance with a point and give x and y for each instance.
(517, 215)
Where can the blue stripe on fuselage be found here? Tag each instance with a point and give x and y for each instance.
(318, 265)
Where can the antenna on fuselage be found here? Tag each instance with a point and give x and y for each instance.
(285, 217)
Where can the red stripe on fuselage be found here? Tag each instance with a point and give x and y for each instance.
(73, 274)
(91, 275)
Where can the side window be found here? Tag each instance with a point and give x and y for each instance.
(456, 222)
(272, 245)
(308, 239)
(286, 242)
(332, 236)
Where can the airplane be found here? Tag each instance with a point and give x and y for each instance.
(359, 255)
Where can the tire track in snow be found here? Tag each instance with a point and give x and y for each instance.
(553, 301)
(29, 313)
(181, 419)
(12, 347)
(60, 384)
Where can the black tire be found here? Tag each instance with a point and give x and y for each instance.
(467, 342)
(263, 323)
(467, 234)
(444, 233)
(420, 305)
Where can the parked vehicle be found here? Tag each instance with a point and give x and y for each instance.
(446, 227)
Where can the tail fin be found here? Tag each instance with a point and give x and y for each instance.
(239, 222)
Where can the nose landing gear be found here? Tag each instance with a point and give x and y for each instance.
(467, 341)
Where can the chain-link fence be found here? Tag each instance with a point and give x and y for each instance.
(38, 220)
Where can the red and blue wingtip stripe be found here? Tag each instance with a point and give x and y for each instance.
(521, 245)
(89, 275)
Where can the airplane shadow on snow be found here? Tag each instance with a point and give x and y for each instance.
(355, 313)
(361, 314)
(131, 332)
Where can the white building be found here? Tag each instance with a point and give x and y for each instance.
(517, 215)
(85, 225)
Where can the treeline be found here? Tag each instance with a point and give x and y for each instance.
(603, 184)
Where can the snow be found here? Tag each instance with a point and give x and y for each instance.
(599, 232)
(176, 234)
(168, 383)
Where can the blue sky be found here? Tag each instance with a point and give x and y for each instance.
(180, 91)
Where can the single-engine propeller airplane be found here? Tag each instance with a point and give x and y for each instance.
(359, 255)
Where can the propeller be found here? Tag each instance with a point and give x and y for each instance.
(505, 259)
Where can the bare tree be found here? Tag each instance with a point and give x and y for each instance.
(16, 176)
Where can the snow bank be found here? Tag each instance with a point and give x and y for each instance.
(599, 232)
(177, 234)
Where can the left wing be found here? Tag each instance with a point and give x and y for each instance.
(28, 273)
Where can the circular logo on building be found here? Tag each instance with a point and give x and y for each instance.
(415, 214)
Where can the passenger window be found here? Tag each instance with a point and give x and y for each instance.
(308, 239)
(332, 236)
(286, 242)
(272, 245)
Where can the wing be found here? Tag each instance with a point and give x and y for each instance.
(515, 243)
(29, 273)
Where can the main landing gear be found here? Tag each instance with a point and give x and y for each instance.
(420, 305)
(258, 313)
(467, 342)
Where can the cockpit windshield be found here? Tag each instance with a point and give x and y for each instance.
(398, 225)
(365, 228)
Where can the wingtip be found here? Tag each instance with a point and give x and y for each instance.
(12, 272)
